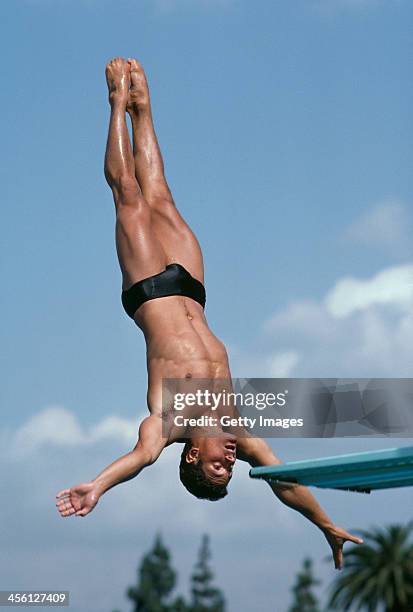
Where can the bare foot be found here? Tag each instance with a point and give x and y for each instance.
(139, 93)
(79, 500)
(118, 80)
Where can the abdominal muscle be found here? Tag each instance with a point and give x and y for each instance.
(179, 345)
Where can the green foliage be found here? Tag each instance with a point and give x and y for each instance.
(304, 598)
(205, 597)
(157, 580)
(179, 605)
(378, 574)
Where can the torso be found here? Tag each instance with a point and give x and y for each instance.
(179, 345)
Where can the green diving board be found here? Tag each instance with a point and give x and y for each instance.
(362, 472)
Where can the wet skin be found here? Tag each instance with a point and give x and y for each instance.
(151, 233)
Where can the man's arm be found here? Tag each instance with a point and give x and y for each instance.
(149, 446)
(257, 453)
(81, 499)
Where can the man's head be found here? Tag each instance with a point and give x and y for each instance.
(206, 466)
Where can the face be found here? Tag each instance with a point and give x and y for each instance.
(218, 455)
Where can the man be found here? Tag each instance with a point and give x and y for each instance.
(163, 292)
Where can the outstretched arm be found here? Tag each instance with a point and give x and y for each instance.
(257, 453)
(81, 499)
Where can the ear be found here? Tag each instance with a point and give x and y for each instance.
(192, 455)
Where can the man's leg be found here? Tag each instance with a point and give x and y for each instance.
(178, 240)
(139, 251)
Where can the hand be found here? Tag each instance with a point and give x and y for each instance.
(336, 537)
(79, 500)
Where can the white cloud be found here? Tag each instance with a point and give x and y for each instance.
(52, 424)
(306, 317)
(392, 286)
(282, 364)
(362, 327)
(387, 225)
(115, 428)
(58, 426)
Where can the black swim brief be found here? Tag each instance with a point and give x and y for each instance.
(175, 280)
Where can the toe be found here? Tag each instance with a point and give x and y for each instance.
(134, 64)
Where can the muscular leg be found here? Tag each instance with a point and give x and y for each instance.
(178, 240)
(139, 251)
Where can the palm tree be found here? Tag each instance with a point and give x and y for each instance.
(377, 575)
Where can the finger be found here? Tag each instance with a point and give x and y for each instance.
(339, 564)
(62, 501)
(64, 504)
(338, 558)
(354, 539)
(63, 492)
(81, 512)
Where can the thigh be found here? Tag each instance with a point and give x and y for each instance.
(178, 241)
(139, 250)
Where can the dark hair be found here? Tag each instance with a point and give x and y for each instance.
(195, 481)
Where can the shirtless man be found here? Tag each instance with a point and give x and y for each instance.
(163, 275)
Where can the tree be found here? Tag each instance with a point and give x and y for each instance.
(179, 605)
(304, 598)
(205, 597)
(378, 574)
(157, 580)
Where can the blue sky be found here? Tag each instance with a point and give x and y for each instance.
(287, 135)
